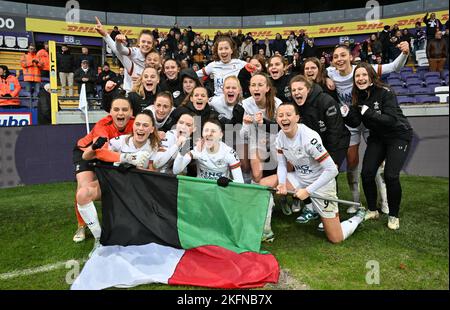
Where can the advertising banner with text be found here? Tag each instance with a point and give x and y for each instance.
(316, 31)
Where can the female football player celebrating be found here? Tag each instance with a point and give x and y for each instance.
(118, 122)
(226, 63)
(214, 158)
(389, 137)
(258, 120)
(314, 172)
(138, 149)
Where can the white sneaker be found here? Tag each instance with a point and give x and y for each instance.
(268, 236)
(97, 245)
(352, 210)
(80, 234)
(371, 215)
(385, 208)
(320, 227)
(296, 206)
(393, 223)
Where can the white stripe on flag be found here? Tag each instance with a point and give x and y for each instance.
(128, 266)
(82, 104)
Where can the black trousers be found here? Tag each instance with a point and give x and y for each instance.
(394, 152)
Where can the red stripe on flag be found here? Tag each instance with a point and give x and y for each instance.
(214, 266)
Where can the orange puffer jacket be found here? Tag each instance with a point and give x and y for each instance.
(9, 85)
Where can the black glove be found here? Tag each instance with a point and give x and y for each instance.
(7, 95)
(224, 181)
(99, 143)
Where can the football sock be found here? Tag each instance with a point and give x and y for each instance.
(353, 182)
(349, 226)
(381, 186)
(89, 215)
(267, 224)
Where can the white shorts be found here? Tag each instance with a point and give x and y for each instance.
(355, 134)
(326, 209)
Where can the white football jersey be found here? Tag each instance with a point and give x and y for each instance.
(221, 107)
(136, 56)
(214, 166)
(169, 140)
(124, 144)
(251, 108)
(344, 85)
(220, 71)
(305, 152)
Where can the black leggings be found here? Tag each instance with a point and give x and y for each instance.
(394, 152)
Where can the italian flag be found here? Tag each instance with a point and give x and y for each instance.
(178, 230)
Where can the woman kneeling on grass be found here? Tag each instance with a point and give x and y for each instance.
(314, 173)
(138, 149)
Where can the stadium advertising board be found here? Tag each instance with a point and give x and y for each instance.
(12, 118)
(317, 31)
(10, 23)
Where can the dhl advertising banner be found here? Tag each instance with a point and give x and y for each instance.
(316, 31)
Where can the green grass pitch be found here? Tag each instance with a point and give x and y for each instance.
(37, 224)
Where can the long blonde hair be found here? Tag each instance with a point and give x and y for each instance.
(138, 87)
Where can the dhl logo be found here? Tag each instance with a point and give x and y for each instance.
(369, 26)
(89, 29)
(412, 21)
(331, 29)
(263, 33)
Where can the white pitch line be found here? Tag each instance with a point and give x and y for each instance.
(30, 271)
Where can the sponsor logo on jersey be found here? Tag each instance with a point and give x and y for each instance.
(220, 162)
(319, 147)
(303, 169)
(210, 175)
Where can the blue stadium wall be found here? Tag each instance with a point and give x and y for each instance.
(43, 154)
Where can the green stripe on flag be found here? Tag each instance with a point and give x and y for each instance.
(231, 217)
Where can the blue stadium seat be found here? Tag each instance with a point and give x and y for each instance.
(429, 75)
(408, 75)
(414, 82)
(405, 100)
(406, 69)
(394, 75)
(395, 82)
(400, 90)
(427, 99)
(433, 80)
(433, 85)
(416, 90)
(444, 74)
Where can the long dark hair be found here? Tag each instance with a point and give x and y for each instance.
(270, 96)
(374, 78)
(154, 136)
(321, 77)
(224, 38)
